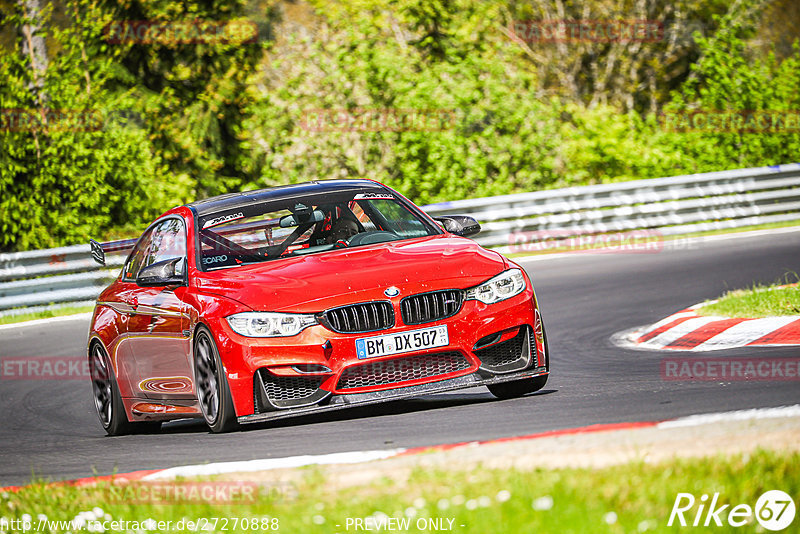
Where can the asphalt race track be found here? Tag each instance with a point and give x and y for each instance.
(49, 427)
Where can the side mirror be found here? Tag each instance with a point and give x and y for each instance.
(462, 225)
(161, 273)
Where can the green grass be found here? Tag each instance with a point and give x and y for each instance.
(45, 314)
(757, 301)
(635, 497)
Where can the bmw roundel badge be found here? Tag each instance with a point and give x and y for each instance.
(391, 292)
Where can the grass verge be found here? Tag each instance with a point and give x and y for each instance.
(633, 497)
(45, 314)
(757, 301)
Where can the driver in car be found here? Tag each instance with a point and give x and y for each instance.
(345, 227)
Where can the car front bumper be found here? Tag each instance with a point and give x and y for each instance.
(252, 362)
(354, 400)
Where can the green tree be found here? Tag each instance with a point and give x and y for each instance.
(373, 55)
(732, 76)
(69, 171)
(631, 74)
(192, 91)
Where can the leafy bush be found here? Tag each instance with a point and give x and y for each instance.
(63, 182)
(732, 76)
(204, 119)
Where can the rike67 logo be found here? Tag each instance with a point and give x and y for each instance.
(774, 510)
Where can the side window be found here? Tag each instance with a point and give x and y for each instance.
(134, 263)
(400, 220)
(169, 241)
(362, 217)
(165, 241)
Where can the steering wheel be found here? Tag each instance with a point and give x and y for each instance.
(368, 238)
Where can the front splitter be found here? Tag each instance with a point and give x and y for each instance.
(339, 402)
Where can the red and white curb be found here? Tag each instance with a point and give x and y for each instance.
(688, 331)
(355, 457)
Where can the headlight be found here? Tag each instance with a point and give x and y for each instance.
(503, 286)
(268, 324)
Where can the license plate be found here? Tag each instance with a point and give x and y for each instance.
(413, 340)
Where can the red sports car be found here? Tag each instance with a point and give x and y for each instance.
(306, 298)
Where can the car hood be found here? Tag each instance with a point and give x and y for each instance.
(313, 283)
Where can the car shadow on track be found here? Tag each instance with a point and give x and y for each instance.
(398, 407)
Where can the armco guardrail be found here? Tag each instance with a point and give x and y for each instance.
(675, 205)
(669, 206)
(36, 278)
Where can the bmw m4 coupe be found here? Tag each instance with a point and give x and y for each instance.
(306, 298)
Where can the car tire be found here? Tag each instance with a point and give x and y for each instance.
(213, 392)
(518, 388)
(107, 398)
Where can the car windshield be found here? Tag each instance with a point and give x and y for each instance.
(296, 226)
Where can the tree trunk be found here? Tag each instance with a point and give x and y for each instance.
(34, 46)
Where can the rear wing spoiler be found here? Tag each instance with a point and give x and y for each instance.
(99, 250)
